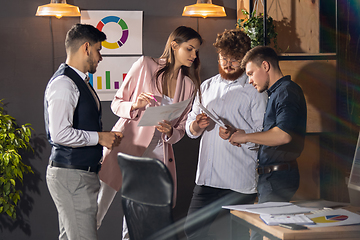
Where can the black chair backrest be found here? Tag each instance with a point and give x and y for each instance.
(147, 197)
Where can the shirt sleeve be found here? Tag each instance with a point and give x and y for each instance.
(62, 96)
(258, 108)
(192, 117)
(287, 111)
(130, 89)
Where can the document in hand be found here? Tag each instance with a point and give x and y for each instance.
(276, 219)
(153, 115)
(213, 117)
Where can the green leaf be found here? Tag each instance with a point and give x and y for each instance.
(6, 207)
(12, 169)
(16, 198)
(7, 188)
(12, 181)
(9, 213)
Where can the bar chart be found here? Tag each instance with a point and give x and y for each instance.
(109, 76)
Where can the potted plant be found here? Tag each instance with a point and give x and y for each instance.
(12, 139)
(253, 26)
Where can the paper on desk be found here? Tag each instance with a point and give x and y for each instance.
(153, 115)
(270, 208)
(320, 204)
(213, 117)
(276, 219)
(337, 217)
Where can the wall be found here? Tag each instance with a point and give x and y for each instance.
(27, 64)
(298, 21)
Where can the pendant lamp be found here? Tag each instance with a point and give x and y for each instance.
(58, 8)
(204, 8)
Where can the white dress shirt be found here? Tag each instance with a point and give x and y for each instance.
(62, 96)
(239, 105)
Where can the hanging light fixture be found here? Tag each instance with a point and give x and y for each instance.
(58, 8)
(204, 8)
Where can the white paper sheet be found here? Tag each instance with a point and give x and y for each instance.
(214, 117)
(270, 208)
(153, 115)
(273, 220)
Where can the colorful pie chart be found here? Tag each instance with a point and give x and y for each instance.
(330, 218)
(124, 29)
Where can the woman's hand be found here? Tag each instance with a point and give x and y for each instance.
(142, 100)
(165, 127)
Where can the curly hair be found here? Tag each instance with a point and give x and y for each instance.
(234, 43)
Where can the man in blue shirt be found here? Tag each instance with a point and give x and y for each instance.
(284, 128)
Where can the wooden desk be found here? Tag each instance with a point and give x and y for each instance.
(253, 221)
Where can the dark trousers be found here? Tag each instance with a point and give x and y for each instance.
(205, 206)
(277, 186)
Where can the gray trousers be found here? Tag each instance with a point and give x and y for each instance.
(74, 193)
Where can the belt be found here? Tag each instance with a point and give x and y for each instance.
(95, 169)
(278, 167)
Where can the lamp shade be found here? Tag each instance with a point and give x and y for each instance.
(204, 9)
(58, 8)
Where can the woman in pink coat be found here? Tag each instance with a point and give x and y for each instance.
(172, 78)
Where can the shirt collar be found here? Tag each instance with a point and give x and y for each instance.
(81, 74)
(277, 84)
(241, 80)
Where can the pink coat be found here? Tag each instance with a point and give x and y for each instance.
(137, 139)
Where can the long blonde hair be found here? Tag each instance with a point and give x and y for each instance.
(180, 35)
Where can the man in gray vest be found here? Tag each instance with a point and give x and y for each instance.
(74, 130)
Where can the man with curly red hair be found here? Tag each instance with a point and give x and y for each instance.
(225, 174)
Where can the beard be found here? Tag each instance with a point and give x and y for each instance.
(266, 86)
(92, 64)
(230, 76)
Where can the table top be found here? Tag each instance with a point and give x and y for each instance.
(350, 232)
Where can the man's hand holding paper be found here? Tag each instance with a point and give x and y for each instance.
(213, 116)
(200, 123)
(225, 133)
(238, 138)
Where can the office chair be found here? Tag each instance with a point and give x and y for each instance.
(147, 198)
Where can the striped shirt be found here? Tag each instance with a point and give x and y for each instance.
(240, 105)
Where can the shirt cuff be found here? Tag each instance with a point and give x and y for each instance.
(93, 138)
(188, 132)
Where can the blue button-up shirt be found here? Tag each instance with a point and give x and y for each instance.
(286, 109)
